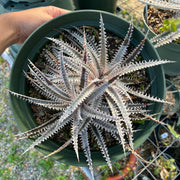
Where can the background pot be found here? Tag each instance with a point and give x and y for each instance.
(174, 150)
(105, 5)
(176, 94)
(163, 137)
(170, 117)
(127, 169)
(169, 51)
(35, 43)
(17, 5)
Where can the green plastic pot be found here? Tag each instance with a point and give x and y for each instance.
(172, 88)
(30, 1)
(163, 136)
(105, 5)
(17, 5)
(35, 43)
(169, 51)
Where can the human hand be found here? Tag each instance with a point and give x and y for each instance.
(25, 22)
(15, 27)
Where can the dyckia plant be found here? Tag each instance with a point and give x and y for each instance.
(172, 6)
(88, 91)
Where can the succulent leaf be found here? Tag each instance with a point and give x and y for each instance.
(40, 102)
(162, 40)
(37, 131)
(120, 103)
(132, 67)
(101, 143)
(87, 152)
(123, 48)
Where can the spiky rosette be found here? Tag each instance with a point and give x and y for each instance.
(163, 4)
(88, 91)
(167, 36)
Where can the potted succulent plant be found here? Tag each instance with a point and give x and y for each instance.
(164, 42)
(87, 90)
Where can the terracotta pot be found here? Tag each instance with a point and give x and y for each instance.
(128, 168)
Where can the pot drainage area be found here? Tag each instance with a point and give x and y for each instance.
(157, 158)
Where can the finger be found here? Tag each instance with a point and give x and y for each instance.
(55, 11)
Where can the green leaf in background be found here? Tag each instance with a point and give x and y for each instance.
(173, 27)
(170, 25)
(177, 21)
(173, 131)
(166, 22)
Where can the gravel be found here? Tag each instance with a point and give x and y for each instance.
(13, 164)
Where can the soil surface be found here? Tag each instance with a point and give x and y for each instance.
(156, 18)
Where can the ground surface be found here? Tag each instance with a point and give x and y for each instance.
(13, 164)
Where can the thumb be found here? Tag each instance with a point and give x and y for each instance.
(55, 11)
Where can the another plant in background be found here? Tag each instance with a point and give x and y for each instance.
(171, 27)
(165, 168)
(173, 131)
(90, 92)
